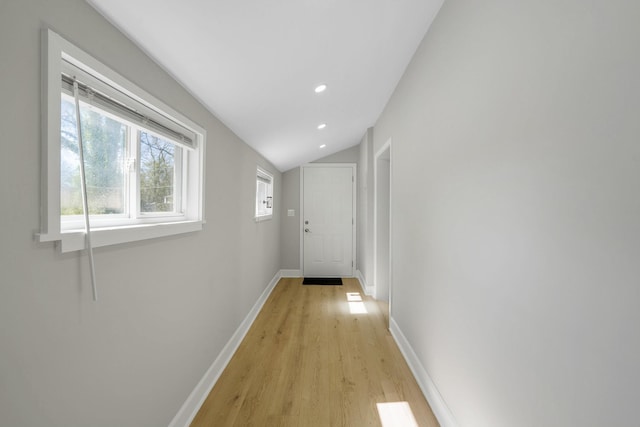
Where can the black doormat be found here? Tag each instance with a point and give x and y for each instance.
(322, 281)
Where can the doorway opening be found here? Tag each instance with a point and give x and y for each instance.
(382, 224)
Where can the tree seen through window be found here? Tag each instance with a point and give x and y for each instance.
(157, 167)
(106, 156)
(104, 140)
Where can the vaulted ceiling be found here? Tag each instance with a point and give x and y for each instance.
(255, 64)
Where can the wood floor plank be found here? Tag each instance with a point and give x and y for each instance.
(310, 360)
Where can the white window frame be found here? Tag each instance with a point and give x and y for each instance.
(191, 218)
(261, 177)
(70, 223)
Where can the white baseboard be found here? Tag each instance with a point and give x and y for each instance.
(429, 389)
(290, 273)
(368, 290)
(193, 403)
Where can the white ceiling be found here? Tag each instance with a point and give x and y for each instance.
(254, 63)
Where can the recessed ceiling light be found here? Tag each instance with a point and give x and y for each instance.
(321, 88)
(323, 145)
(322, 125)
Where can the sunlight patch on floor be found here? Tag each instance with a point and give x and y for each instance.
(356, 305)
(354, 296)
(396, 414)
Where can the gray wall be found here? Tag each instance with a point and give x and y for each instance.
(167, 306)
(349, 155)
(382, 226)
(516, 210)
(364, 262)
(290, 231)
(290, 238)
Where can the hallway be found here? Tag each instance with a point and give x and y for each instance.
(316, 356)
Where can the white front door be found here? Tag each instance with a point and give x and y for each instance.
(328, 219)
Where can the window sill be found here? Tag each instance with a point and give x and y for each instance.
(263, 218)
(75, 240)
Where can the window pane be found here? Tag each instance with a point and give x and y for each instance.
(157, 174)
(104, 141)
(261, 198)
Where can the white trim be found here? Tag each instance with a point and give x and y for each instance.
(301, 232)
(197, 397)
(290, 273)
(428, 387)
(263, 175)
(75, 241)
(263, 218)
(368, 290)
(54, 49)
(354, 197)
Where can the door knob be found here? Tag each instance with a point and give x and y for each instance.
(306, 230)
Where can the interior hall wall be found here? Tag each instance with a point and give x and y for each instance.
(167, 306)
(516, 232)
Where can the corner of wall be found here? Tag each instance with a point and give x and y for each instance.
(197, 397)
(428, 387)
(368, 290)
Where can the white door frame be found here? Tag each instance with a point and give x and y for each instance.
(386, 146)
(354, 201)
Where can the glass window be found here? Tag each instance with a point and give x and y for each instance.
(264, 194)
(105, 149)
(143, 161)
(157, 174)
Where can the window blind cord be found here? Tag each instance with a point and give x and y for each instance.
(83, 184)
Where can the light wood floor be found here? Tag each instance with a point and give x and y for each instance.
(308, 361)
